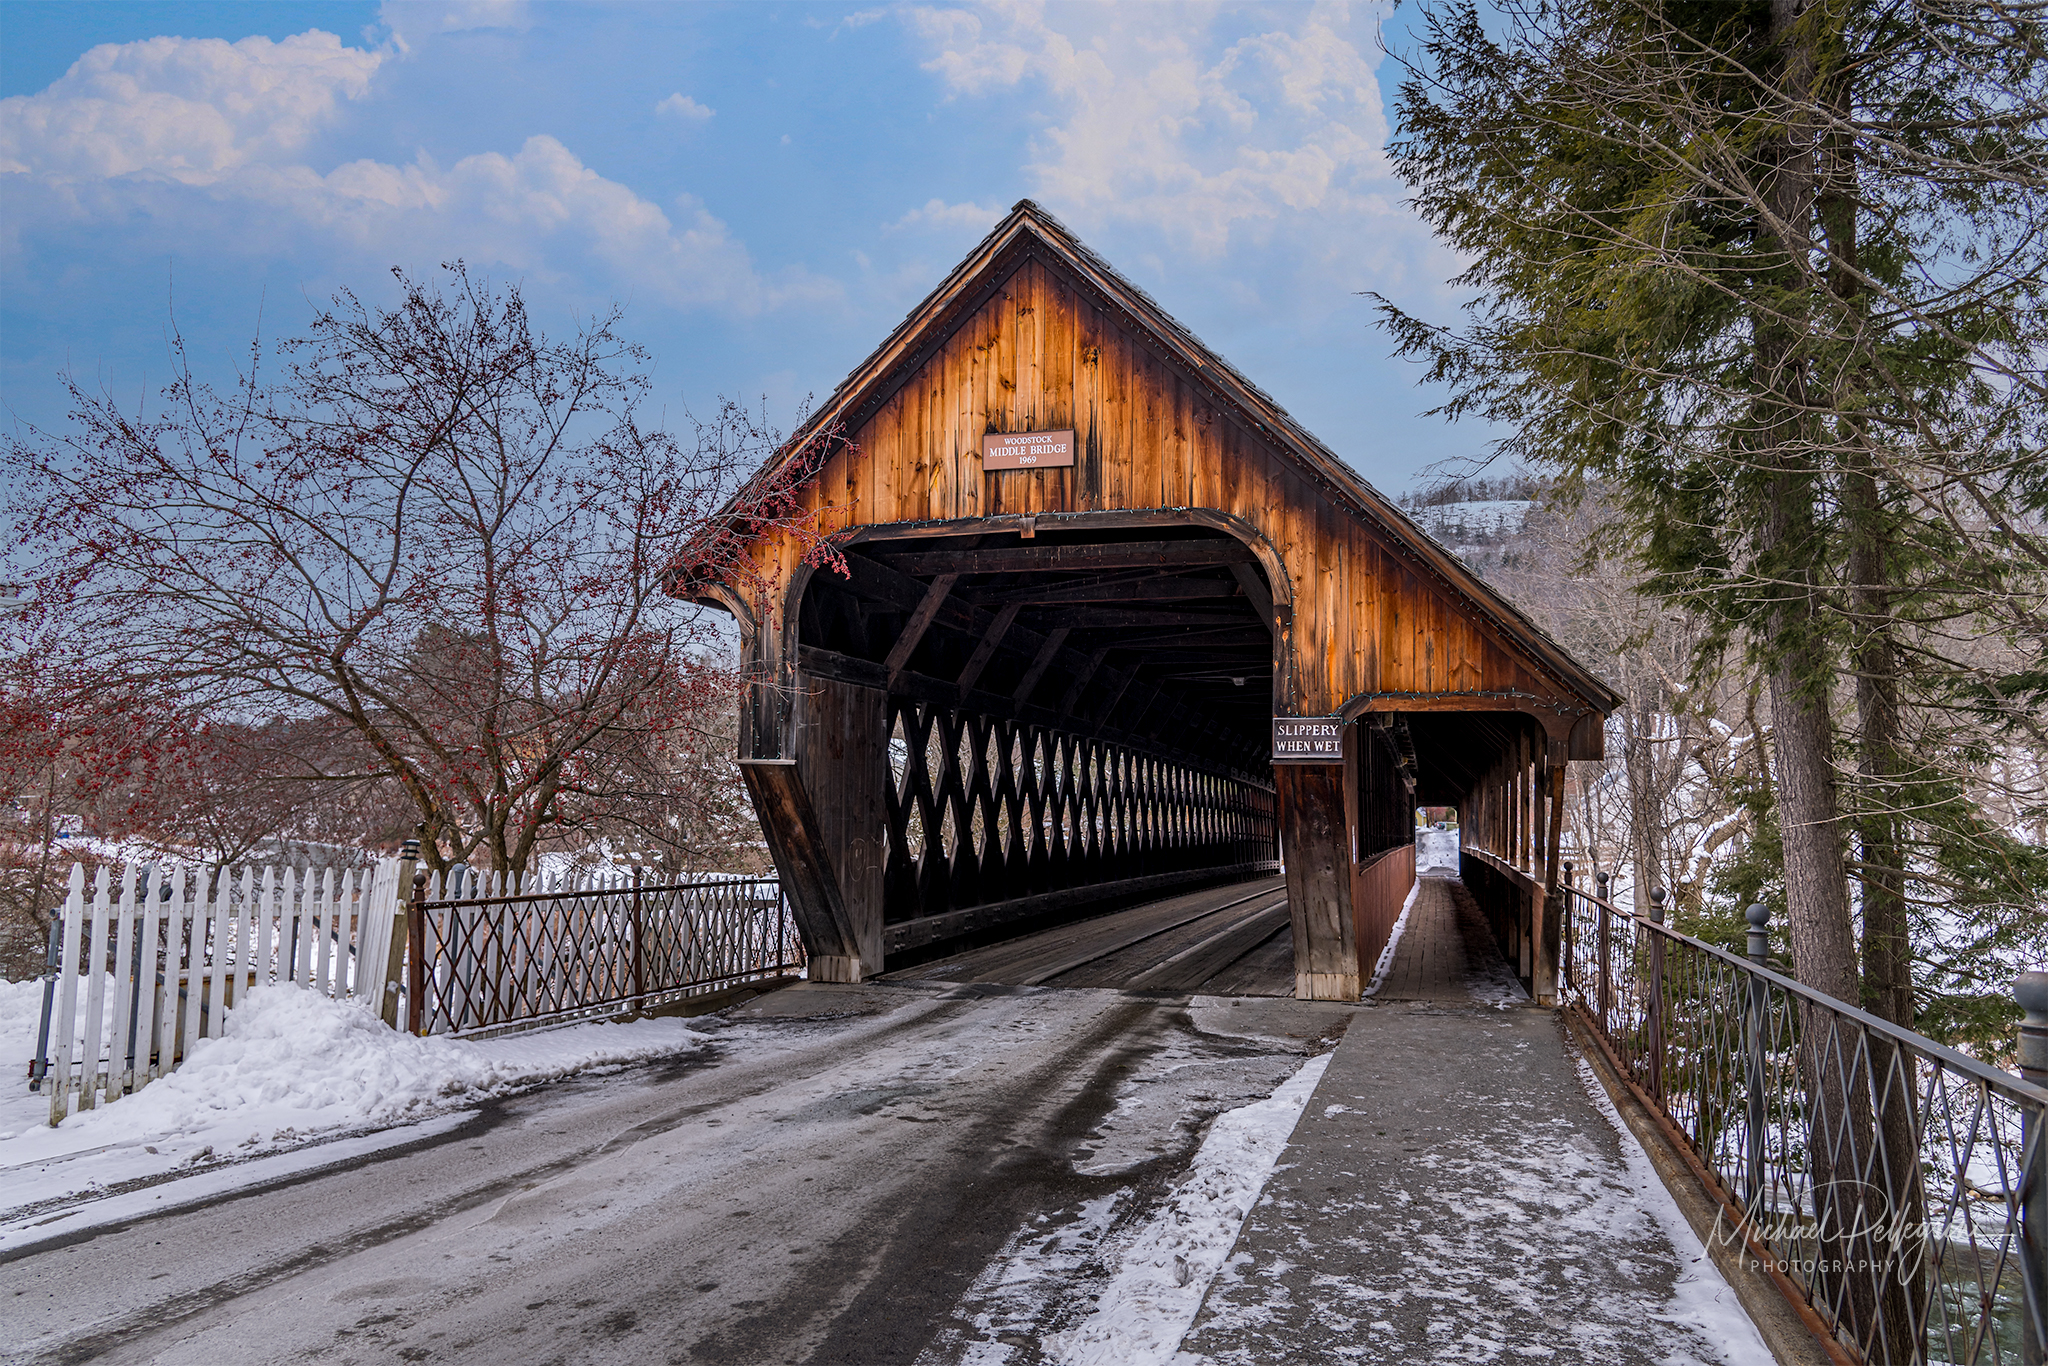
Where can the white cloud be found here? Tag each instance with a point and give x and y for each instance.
(193, 109)
(937, 213)
(412, 22)
(187, 134)
(683, 107)
(1151, 115)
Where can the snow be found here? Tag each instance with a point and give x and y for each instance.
(1167, 1267)
(1491, 983)
(1386, 963)
(292, 1068)
(210, 1183)
(1436, 849)
(1458, 523)
(1702, 1297)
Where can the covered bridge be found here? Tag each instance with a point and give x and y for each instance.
(1110, 626)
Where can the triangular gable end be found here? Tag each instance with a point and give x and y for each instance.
(1034, 332)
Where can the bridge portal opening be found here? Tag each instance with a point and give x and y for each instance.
(1045, 725)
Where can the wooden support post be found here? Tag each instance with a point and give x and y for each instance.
(1312, 842)
(920, 622)
(402, 916)
(842, 742)
(803, 861)
(1254, 585)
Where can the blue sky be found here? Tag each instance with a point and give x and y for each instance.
(768, 188)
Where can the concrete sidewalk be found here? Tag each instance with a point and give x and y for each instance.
(1455, 1192)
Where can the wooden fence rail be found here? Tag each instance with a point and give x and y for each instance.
(149, 962)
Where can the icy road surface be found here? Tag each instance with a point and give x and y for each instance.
(822, 1182)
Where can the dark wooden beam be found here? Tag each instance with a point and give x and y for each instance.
(1248, 634)
(984, 651)
(1254, 661)
(1082, 677)
(1152, 588)
(1254, 585)
(1123, 618)
(1109, 708)
(1065, 559)
(867, 673)
(921, 618)
(1039, 665)
(797, 846)
(882, 583)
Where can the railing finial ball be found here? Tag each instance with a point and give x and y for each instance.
(1656, 905)
(1759, 915)
(2030, 989)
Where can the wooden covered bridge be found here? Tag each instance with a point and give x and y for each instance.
(1110, 627)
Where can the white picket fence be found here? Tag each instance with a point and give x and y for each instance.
(152, 961)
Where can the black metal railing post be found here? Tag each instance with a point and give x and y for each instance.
(1754, 1041)
(1654, 987)
(1564, 925)
(2031, 991)
(416, 947)
(53, 960)
(1606, 998)
(639, 952)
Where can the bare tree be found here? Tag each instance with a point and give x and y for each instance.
(439, 530)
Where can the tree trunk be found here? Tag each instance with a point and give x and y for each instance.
(1802, 672)
(1645, 801)
(1896, 1217)
(1790, 548)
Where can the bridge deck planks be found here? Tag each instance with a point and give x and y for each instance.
(1109, 951)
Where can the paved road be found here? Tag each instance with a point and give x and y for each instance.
(819, 1184)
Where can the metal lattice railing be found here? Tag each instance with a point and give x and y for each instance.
(1884, 1178)
(982, 809)
(484, 962)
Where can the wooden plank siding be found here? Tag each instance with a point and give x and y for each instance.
(1369, 620)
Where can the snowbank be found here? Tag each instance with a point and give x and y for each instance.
(292, 1066)
(1702, 1297)
(1385, 964)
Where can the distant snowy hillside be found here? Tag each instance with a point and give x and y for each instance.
(1459, 525)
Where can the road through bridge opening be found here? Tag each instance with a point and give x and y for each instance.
(1099, 624)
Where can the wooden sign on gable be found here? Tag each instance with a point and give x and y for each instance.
(1027, 450)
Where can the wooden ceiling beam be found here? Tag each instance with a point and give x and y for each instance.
(1082, 677)
(921, 618)
(1064, 559)
(883, 583)
(1121, 618)
(1039, 665)
(1163, 586)
(986, 649)
(847, 669)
